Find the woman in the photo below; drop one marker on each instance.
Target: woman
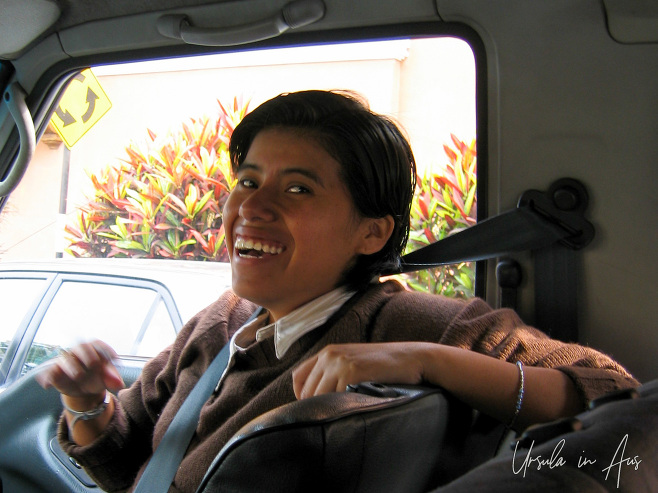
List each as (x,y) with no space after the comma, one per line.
(320,208)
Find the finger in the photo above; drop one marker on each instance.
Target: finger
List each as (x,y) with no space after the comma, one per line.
(52,374)
(70,365)
(112,378)
(72,376)
(327,384)
(94,354)
(323,377)
(105,350)
(313,379)
(44,374)
(300,375)
(88,356)
(98,357)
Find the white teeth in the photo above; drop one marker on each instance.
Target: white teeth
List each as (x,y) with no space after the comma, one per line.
(249,244)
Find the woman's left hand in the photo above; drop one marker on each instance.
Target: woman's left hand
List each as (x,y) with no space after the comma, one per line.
(337,366)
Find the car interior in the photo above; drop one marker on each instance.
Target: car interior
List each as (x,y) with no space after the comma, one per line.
(561,108)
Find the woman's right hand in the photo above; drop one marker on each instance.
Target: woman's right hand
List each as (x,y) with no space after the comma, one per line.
(83,375)
(83,372)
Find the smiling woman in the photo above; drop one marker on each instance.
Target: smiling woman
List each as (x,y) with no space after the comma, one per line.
(301,189)
(498,100)
(322,320)
(294,203)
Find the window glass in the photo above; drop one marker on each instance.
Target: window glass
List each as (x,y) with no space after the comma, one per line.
(156,112)
(158,332)
(16,298)
(134,321)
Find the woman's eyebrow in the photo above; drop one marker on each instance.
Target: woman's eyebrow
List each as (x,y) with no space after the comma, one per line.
(310,174)
(244,166)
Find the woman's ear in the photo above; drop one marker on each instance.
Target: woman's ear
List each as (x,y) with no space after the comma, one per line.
(375,233)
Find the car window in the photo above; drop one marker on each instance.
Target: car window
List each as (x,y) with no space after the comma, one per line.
(17,296)
(146,173)
(133,320)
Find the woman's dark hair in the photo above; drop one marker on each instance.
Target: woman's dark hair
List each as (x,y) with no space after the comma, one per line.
(377,164)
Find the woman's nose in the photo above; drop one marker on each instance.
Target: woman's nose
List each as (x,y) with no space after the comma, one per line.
(259,205)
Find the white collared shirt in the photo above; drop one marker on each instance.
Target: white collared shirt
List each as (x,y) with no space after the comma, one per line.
(287,329)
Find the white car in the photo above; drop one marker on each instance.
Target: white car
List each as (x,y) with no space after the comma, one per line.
(136,306)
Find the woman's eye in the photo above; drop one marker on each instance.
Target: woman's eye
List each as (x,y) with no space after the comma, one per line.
(247,183)
(298,189)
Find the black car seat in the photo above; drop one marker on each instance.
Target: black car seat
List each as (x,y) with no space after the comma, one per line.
(407,439)
(613,447)
(375,438)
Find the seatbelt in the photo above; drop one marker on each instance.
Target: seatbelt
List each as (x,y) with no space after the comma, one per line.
(162,467)
(537,222)
(164,463)
(552,225)
(556,292)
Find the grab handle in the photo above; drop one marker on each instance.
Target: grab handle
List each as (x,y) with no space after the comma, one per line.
(14,98)
(293,15)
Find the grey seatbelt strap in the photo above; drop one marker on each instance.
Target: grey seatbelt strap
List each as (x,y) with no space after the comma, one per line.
(515,231)
(164,463)
(540,220)
(552,225)
(557,270)
(162,467)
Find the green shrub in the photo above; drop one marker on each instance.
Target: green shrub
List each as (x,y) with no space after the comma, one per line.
(165,199)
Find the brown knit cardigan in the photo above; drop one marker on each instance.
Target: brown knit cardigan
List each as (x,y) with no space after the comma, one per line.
(259,381)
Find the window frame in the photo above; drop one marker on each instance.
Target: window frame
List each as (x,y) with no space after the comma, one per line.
(19,331)
(11,368)
(62,72)
(45,93)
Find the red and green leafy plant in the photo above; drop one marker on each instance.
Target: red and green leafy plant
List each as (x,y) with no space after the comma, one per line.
(164,200)
(445,203)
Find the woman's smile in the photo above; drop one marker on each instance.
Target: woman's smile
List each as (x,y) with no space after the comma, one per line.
(292,229)
(255,248)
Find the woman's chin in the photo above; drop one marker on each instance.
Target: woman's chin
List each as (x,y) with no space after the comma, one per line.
(257,291)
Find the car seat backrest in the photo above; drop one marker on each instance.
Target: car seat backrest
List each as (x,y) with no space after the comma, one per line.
(402,439)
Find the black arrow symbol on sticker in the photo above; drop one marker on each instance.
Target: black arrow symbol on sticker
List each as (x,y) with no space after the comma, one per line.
(91,101)
(65,116)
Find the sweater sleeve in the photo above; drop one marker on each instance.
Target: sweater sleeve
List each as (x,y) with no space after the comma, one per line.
(114,458)
(144,411)
(501,334)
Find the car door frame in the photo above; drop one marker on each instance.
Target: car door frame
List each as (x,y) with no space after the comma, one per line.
(11,367)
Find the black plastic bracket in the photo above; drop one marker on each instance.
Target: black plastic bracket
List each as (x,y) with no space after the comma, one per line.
(564,204)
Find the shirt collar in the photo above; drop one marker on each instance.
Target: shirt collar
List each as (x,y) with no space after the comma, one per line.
(287,330)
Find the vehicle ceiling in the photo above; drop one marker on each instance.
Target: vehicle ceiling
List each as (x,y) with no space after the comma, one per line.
(24,21)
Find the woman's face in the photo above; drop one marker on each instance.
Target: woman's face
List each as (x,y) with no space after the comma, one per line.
(291,227)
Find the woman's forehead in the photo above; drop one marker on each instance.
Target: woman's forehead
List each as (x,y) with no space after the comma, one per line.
(287,146)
